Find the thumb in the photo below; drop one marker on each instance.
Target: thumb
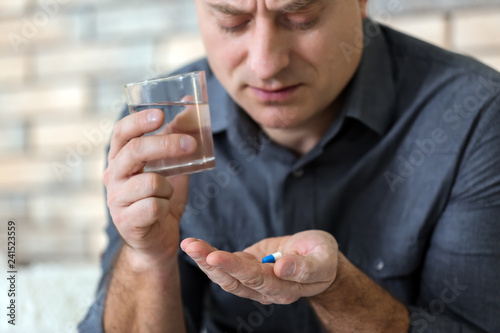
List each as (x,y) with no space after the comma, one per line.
(303,269)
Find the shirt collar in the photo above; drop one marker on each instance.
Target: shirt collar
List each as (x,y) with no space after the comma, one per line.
(371,93)
(369,96)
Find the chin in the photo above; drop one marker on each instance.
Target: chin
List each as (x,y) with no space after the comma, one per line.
(276,118)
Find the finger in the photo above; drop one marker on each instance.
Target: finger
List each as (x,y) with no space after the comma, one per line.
(143,186)
(138,151)
(266,247)
(199,250)
(188,120)
(257,277)
(185,243)
(245,269)
(142,214)
(133,126)
(304,269)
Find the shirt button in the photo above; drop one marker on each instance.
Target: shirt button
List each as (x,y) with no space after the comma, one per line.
(298,173)
(379,264)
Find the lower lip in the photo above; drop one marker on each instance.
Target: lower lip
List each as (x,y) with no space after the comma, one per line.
(275,96)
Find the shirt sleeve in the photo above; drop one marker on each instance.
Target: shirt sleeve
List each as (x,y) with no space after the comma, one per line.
(459,285)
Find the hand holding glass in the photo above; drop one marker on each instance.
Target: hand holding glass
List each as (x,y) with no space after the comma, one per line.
(184,102)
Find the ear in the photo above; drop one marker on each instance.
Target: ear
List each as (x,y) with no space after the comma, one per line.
(363,8)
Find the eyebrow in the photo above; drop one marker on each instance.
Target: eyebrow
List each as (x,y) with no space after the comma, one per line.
(297,5)
(226,9)
(291,7)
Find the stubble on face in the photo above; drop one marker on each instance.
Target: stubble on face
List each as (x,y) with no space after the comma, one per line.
(308,58)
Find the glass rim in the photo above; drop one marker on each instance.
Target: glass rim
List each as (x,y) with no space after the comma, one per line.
(170,77)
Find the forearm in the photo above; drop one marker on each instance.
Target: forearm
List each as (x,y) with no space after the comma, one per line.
(144,299)
(355,303)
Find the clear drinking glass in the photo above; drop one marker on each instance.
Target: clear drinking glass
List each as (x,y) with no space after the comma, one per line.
(184,101)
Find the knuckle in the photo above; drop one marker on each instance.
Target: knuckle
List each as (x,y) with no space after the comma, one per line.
(137,233)
(118,130)
(116,216)
(153,183)
(152,208)
(255,282)
(106,177)
(231,286)
(110,199)
(169,143)
(135,146)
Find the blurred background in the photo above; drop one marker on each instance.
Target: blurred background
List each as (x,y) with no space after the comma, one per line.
(63,64)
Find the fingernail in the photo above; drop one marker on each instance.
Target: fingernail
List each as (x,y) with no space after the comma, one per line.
(288,269)
(153,116)
(187,143)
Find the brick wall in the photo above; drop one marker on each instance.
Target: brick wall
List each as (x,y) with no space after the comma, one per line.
(63,64)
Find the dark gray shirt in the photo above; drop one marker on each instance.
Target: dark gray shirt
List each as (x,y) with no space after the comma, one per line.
(407,179)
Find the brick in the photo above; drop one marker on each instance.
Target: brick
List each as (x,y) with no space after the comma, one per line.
(71,4)
(426,6)
(138,19)
(12,7)
(45,243)
(13,206)
(12,136)
(77,210)
(92,58)
(96,242)
(94,169)
(65,96)
(477,29)
(177,51)
(146,20)
(29,174)
(429,27)
(13,69)
(58,27)
(84,134)
(110,98)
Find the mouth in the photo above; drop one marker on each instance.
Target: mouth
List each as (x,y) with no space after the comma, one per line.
(275,95)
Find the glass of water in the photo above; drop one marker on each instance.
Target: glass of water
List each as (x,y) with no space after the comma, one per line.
(184,102)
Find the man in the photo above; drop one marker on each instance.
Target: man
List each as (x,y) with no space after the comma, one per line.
(373,165)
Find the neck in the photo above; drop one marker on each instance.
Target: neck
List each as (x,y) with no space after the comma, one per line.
(303,138)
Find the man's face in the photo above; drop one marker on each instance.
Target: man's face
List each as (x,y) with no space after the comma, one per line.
(281,60)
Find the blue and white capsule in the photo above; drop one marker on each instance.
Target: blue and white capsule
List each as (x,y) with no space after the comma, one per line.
(272,258)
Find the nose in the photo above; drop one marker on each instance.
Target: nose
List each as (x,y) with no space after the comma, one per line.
(268,52)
